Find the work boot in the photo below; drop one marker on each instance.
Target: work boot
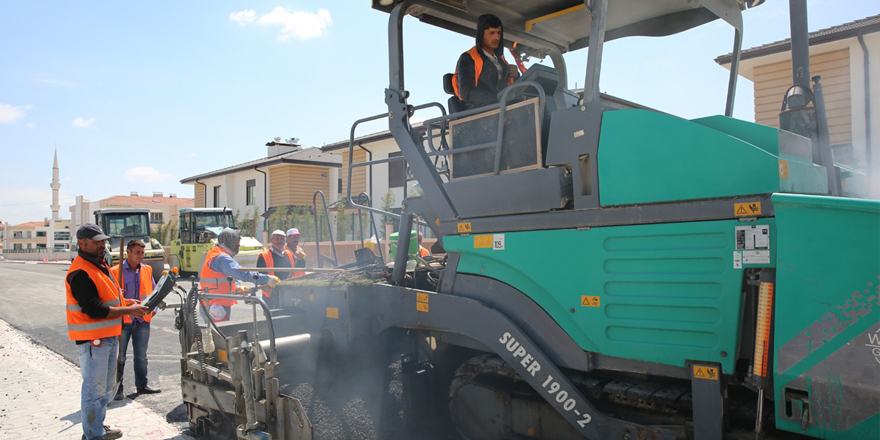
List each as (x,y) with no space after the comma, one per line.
(119,395)
(148,390)
(109,434)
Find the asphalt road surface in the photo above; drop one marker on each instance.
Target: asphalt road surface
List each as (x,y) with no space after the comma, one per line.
(342,403)
(32,300)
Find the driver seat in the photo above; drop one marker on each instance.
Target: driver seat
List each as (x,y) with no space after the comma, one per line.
(454,105)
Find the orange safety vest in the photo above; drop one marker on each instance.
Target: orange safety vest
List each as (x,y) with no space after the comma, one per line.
(81,327)
(146,288)
(423,252)
(270,262)
(478,69)
(215,281)
(299,250)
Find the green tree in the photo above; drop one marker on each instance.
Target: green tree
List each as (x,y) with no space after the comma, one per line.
(388,203)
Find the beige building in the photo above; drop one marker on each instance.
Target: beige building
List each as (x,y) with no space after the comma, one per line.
(288,176)
(847,57)
(45,235)
(163,209)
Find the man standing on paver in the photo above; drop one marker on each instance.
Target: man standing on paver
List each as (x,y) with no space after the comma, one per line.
(293,237)
(137,284)
(95,308)
(275,257)
(220,266)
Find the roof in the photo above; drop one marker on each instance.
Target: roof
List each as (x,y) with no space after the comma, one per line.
(565,24)
(28,225)
(309,156)
(852,29)
(144,200)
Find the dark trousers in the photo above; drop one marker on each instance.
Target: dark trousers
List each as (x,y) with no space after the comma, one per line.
(139,334)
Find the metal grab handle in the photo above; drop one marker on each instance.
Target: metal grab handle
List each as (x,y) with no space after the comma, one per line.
(250,299)
(329,228)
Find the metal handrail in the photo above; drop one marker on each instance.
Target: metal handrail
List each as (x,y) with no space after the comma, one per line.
(443,121)
(372,225)
(250,299)
(317,230)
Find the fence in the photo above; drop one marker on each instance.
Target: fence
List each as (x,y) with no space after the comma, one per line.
(36,255)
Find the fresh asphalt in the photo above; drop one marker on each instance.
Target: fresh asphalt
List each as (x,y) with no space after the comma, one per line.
(32,300)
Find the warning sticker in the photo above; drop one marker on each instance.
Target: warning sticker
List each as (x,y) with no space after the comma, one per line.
(701,372)
(332,313)
(495,242)
(783,169)
(422,307)
(752,237)
(498,242)
(482,241)
(464,227)
(589,301)
(422,297)
(756,257)
(737,259)
(746,209)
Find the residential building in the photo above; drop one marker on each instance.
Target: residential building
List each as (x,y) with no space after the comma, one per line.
(847,57)
(40,235)
(3,236)
(288,175)
(163,209)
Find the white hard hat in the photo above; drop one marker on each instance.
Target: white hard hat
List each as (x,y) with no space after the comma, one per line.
(293,231)
(278,232)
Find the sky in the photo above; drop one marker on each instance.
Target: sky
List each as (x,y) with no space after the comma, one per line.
(136,96)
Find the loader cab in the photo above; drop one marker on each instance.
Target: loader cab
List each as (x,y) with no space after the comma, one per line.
(203,225)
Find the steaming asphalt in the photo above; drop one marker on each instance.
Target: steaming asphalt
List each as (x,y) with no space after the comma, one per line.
(346,401)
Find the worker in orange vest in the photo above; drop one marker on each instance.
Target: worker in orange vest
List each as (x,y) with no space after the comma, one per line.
(482,72)
(138,283)
(219,266)
(423,252)
(293,237)
(95,308)
(275,257)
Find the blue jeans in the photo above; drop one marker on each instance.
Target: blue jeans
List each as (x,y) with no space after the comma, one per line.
(98,367)
(139,334)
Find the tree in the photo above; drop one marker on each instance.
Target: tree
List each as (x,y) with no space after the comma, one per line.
(388,203)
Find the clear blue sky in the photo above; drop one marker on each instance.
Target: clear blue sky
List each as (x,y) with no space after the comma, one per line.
(138,95)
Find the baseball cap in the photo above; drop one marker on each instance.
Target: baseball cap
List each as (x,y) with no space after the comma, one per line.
(92,232)
(293,231)
(278,232)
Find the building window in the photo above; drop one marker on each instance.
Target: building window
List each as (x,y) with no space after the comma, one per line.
(17,234)
(62,236)
(251,191)
(339,184)
(16,246)
(217,196)
(41,233)
(396,171)
(41,246)
(156,218)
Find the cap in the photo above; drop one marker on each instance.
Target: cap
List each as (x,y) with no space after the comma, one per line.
(92,232)
(278,232)
(293,231)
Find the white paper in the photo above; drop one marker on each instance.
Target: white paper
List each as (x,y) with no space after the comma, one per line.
(737,260)
(753,237)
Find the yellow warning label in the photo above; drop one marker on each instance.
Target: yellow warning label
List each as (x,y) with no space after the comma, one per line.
(311,297)
(422,307)
(744,209)
(701,372)
(221,355)
(332,313)
(464,227)
(783,169)
(482,241)
(422,297)
(589,301)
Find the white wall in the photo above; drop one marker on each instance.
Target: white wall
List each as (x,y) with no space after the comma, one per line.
(857,85)
(233,194)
